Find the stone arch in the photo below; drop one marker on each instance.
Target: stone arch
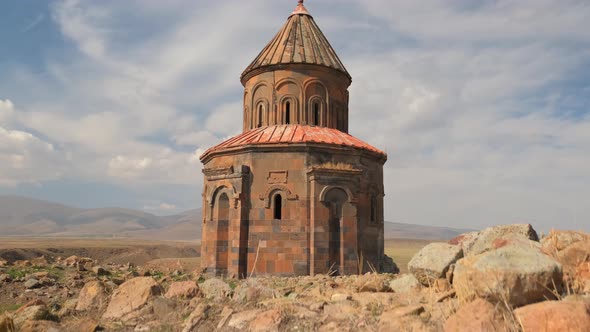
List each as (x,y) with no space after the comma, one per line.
(327,189)
(335,199)
(261,92)
(316,92)
(292,110)
(272,190)
(317,110)
(261,112)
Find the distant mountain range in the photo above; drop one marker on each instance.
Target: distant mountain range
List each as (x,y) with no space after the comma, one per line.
(20,216)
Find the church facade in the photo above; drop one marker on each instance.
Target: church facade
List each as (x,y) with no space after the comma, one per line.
(294,193)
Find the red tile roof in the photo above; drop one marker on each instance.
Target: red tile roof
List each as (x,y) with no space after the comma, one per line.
(292,134)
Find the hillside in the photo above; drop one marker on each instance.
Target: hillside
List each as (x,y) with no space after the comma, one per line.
(20,216)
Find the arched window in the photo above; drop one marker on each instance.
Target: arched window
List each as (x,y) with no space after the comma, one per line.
(278,208)
(316,113)
(260,112)
(288,112)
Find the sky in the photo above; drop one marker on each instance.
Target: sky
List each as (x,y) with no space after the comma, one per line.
(483,106)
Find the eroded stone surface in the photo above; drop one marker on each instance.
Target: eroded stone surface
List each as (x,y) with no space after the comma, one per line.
(433,261)
(515,274)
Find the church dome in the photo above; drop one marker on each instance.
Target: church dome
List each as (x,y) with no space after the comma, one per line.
(300,41)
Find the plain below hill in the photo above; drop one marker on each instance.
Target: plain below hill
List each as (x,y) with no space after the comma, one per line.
(26,217)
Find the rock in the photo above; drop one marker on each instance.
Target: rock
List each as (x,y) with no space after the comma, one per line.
(433,261)
(405,283)
(93,296)
(556,241)
(5,278)
(389,322)
(475,243)
(131,296)
(388,265)
(479,315)
(555,316)
(182,289)
(269,320)
(515,274)
(32,283)
(68,308)
(253,291)
(412,310)
(215,288)
(240,320)
(339,297)
(100,271)
(441,285)
(225,315)
(28,314)
(166,310)
(81,325)
(6,324)
(3,263)
(40,326)
(372,282)
(582,278)
(573,255)
(199,314)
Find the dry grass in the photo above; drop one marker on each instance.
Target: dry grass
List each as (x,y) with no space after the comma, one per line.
(402,251)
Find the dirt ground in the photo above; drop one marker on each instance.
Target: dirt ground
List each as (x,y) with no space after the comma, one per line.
(162,254)
(119,251)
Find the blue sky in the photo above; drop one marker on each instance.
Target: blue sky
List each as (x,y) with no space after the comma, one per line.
(482,106)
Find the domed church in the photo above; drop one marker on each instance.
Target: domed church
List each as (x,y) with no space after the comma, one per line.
(293,194)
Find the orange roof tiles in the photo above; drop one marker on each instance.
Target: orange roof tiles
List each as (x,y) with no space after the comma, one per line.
(292,134)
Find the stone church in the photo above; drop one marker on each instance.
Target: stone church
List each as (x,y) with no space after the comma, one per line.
(294,193)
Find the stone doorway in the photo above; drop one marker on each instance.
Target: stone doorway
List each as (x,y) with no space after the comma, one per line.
(335,199)
(221,258)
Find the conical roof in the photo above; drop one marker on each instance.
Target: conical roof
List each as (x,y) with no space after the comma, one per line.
(300,41)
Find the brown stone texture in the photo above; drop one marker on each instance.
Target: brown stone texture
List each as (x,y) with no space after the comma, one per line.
(555,316)
(294,194)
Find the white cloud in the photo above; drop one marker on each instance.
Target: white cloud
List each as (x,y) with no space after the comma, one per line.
(467,97)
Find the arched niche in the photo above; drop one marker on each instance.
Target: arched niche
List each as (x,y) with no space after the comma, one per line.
(316,99)
(261,95)
(288,110)
(288,91)
(260,113)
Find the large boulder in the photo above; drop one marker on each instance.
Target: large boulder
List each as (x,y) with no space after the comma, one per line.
(182,289)
(433,261)
(479,315)
(93,296)
(131,296)
(556,240)
(572,251)
(475,243)
(515,274)
(555,316)
(29,313)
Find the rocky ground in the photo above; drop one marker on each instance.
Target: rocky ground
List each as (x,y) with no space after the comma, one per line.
(499,279)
